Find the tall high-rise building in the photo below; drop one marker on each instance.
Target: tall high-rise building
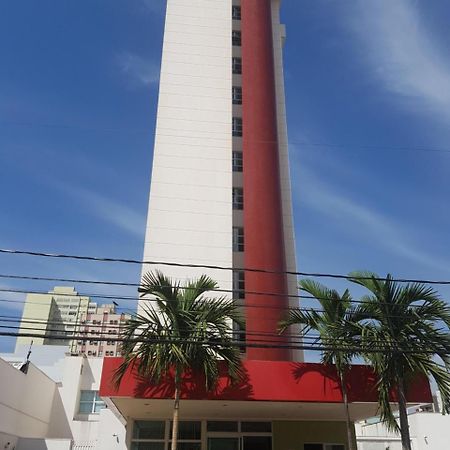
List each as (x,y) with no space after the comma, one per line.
(220,190)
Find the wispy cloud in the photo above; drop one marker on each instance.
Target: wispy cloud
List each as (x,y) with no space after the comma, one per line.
(154,6)
(139,71)
(108,210)
(403,54)
(363,221)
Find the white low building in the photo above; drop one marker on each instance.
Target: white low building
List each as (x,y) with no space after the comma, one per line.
(429,430)
(52,403)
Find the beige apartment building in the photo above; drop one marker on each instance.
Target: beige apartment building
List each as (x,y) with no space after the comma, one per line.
(63,312)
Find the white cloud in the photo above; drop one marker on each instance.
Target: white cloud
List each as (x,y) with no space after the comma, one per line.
(359,219)
(154,6)
(108,210)
(140,71)
(403,54)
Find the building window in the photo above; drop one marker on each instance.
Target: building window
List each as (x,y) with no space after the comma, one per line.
(237,126)
(237,95)
(239,335)
(236,64)
(238,284)
(238,198)
(237,161)
(236,38)
(90,403)
(236,12)
(155,435)
(238,239)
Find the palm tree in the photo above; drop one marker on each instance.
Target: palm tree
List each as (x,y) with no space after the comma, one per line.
(184,331)
(409,324)
(335,333)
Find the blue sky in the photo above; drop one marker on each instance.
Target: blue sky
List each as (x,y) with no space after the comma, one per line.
(368,99)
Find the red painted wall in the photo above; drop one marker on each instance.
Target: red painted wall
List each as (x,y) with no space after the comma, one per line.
(265,380)
(263,220)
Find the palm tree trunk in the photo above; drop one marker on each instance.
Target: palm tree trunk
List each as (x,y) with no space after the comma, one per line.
(176,410)
(347,413)
(404,425)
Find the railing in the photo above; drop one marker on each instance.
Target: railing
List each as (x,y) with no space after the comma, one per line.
(84,445)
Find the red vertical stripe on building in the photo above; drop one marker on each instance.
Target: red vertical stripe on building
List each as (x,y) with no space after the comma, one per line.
(263,220)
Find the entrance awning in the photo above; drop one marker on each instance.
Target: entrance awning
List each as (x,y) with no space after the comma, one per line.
(270,390)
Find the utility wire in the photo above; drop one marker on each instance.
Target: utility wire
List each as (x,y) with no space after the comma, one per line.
(214,267)
(158,340)
(147,130)
(150,300)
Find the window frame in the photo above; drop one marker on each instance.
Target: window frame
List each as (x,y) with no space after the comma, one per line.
(95,401)
(237,126)
(236,95)
(237,198)
(238,287)
(236,12)
(236,38)
(238,239)
(237,161)
(236,65)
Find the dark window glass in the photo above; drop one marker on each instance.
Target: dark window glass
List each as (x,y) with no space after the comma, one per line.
(239,335)
(188,445)
(256,427)
(238,198)
(238,239)
(236,38)
(237,162)
(237,95)
(313,447)
(147,446)
(148,429)
(236,12)
(236,64)
(221,425)
(257,443)
(237,126)
(188,430)
(239,286)
(334,447)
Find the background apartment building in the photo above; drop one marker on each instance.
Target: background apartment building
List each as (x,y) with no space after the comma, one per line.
(64,312)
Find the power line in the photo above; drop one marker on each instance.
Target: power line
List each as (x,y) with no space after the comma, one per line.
(232,343)
(146,300)
(215,267)
(149,129)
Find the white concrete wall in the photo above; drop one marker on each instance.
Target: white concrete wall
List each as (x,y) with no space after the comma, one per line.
(25,401)
(8,441)
(429,431)
(190,208)
(288,223)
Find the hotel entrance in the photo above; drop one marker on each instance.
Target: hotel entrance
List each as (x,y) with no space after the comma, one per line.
(227,435)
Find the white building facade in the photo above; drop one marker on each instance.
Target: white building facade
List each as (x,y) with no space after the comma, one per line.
(54,404)
(220,187)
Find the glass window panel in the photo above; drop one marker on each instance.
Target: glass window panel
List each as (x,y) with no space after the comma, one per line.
(85,408)
(188,446)
(313,447)
(256,427)
(223,443)
(147,446)
(87,396)
(188,430)
(257,443)
(236,12)
(148,429)
(98,406)
(220,425)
